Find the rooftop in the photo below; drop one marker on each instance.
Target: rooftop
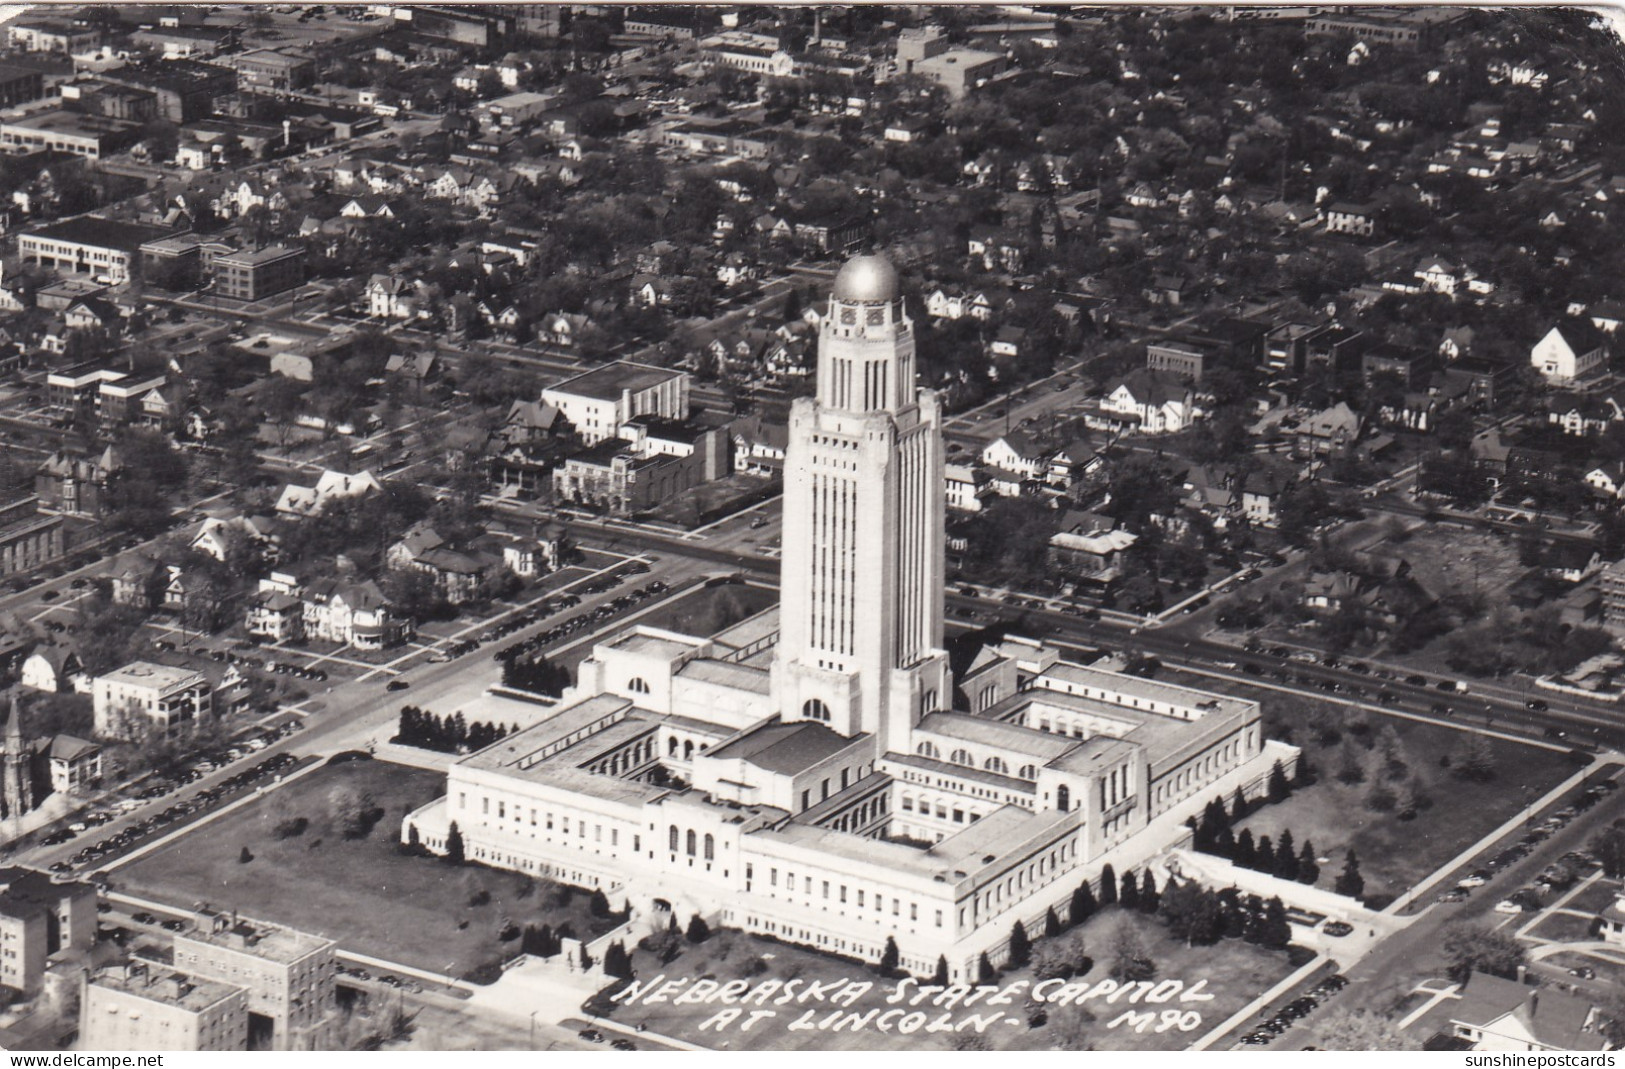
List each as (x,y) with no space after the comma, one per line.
(147,674)
(168,988)
(607,383)
(284,945)
(101,233)
(786,747)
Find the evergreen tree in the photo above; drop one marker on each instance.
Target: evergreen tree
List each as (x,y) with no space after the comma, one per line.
(1246,854)
(586,958)
(454,845)
(1129,896)
(598,905)
(1052,923)
(1349,881)
(1277,931)
(617,962)
(940,977)
(1286,856)
(698,930)
(984,970)
(245,857)
(1149,898)
(1308,868)
(1233,919)
(1108,887)
(1225,844)
(1083,903)
(1238,807)
(1264,860)
(1278,786)
(889,957)
(1021,947)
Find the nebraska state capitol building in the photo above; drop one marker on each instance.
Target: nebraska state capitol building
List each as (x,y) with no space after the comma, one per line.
(816,773)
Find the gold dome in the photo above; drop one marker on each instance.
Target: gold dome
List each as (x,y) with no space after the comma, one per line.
(867,279)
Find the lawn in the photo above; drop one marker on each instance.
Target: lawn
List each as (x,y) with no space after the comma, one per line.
(1596,898)
(709,609)
(1563,928)
(362,892)
(1394,854)
(1235,973)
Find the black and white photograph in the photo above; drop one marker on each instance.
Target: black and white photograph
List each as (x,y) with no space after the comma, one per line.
(819,528)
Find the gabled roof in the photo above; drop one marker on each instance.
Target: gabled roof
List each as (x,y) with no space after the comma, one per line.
(1555,1019)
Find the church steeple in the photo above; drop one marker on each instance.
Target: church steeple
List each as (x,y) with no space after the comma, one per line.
(18,776)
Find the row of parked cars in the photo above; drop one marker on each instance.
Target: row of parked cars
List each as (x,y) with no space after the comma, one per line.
(124,839)
(585,620)
(1267,1030)
(1556,876)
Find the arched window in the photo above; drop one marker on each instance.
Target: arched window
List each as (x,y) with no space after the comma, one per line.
(927,749)
(963,757)
(814,709)
(1063,798)
(673,845)
(710,847)
(996,764)
(671,746)
(1028,772)
(688,749)
(691,842)
(637,685)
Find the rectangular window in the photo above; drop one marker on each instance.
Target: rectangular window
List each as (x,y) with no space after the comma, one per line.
(843,894)
(913,911)
(860,898)
(843,779)
(908,804)
(773,877)
(826,888)
(485,807)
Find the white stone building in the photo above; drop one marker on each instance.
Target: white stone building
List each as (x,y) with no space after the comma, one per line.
(815,773)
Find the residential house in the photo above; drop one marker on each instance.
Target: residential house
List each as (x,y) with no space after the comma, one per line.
(1607,479)
(1262,491)
(75,764)
(1583,415)
(966,487)
(1489,1013)
(389,297)
(1570,561)
(1091,550)
(1145,402)
(759,446)
(333,485)
(139,581)
(1329,432)
(55,670)
(1360,220)
(352,614)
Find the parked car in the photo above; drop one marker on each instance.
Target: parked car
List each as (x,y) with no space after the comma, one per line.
(398,684)
(1506,905)
(1337,929)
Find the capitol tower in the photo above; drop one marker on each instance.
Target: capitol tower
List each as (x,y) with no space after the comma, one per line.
(860,645)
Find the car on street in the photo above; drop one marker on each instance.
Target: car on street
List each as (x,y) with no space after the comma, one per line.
(591,1035)
(1537,705)
(398,684)
(143,917)
(1506,905)
(1475,880)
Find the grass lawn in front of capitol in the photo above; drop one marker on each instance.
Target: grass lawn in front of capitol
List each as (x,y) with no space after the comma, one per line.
(1235,973)
(363,892)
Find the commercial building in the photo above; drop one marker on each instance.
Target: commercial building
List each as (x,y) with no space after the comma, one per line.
(1179,358)
(267,70)
(72,132)
(143,697)
(53,35)
(817,774)
(926,52)
(288,976)
(29,539)
(598,402)
(19,85)
(89,245)
(254,274)
(145,1006)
